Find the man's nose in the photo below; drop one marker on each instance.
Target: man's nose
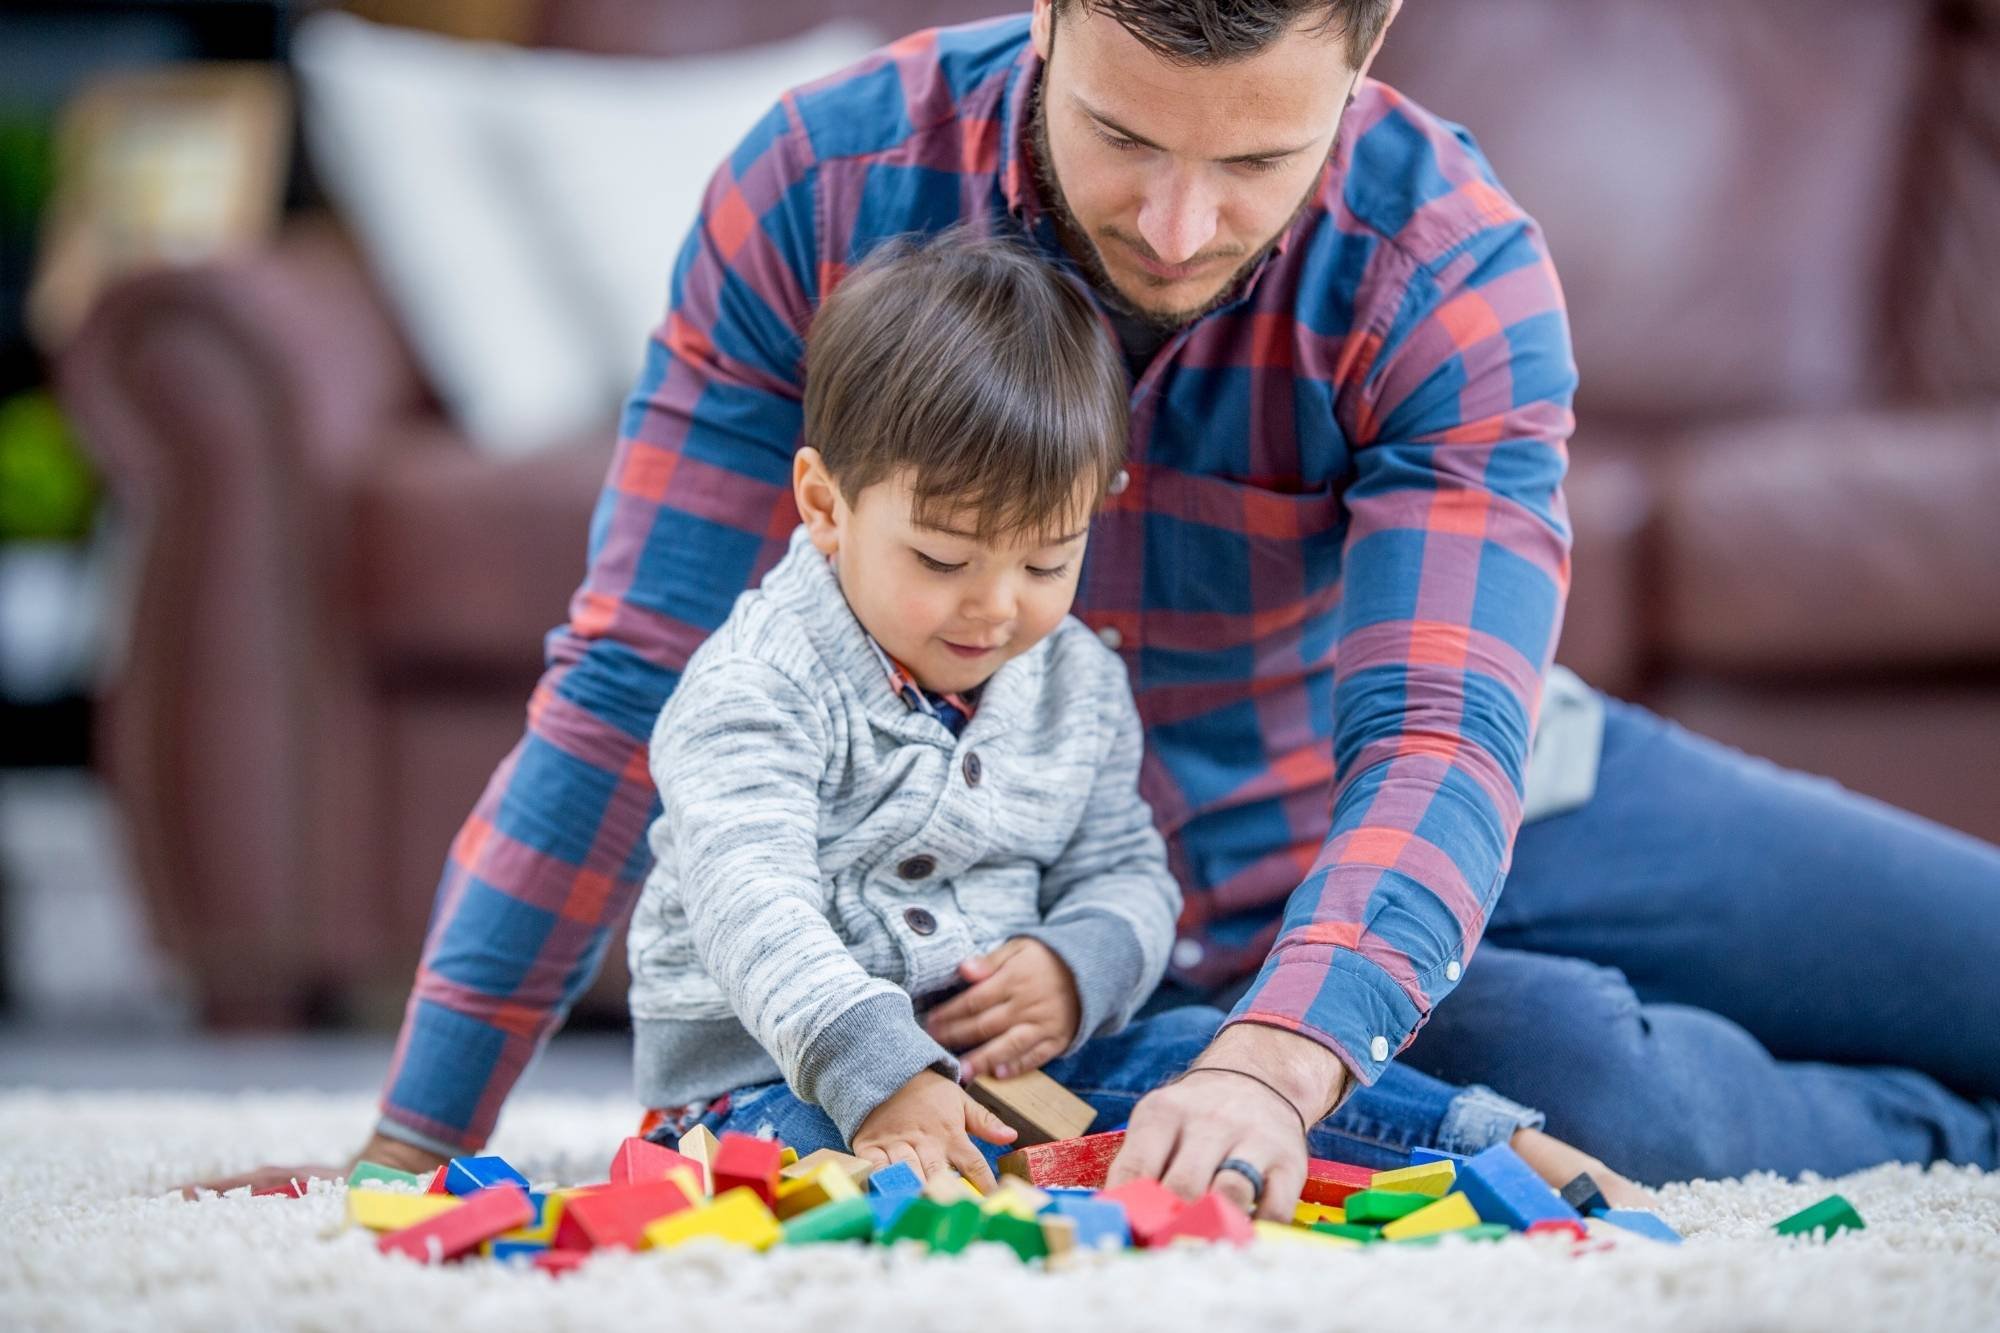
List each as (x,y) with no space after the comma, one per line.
(1178,216)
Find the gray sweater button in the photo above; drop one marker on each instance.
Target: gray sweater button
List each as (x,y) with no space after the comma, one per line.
(920,921)
(917,867)
(972,768)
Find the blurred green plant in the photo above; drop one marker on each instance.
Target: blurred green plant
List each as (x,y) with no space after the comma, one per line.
(47,488)
(27,167)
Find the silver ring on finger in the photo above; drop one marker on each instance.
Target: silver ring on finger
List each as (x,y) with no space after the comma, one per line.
(1249,1173)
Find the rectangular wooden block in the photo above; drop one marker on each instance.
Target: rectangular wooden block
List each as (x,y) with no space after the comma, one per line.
(1432,1178)
(1100,1223)
(829,1184)
(1150,1208)
(1454,1212)
(1040,1109)
(737,1217)
(858,1169)
(1281,1233)
(849,1219)
(463,1175)
(1078,1163)
(1828,1217)
(640,1160)
(898,1180)
(1379,1206)
(375,1173)
(617,1217)
(746,1162)
(1643,1223)
(479,1216)
(1330,1182)
(1211,1218)
(1506,1189)
(385,1210)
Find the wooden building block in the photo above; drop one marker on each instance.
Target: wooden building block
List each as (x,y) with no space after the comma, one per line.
(541,1229)
(1282,1233)
(437,1181)
(1583,1195)
(1419,1156)
(846,1219)
(1150,1208)
(558,1262)
(1559,1226)
(464,1175)
(638,1161)
(1505,1189)
(1305,1214)
(1058,1239)
(385,1210)
(1022,1235)
(374,1173)
(958,1225)
(898,1180)
(1374,1207)
(1101,1224)
(291,1189)
(1454,1212)
(1212,1219)
(1353,1231)
(858,1169)
(1012,1194)
(617,1217)
(1330,1182)
(700,1144)
(787,1156)
(949,1189)
(455,1231)
(1641,1222)
(1040,1109)
(737,1217)
(1432,1178)
(1080,1163)
(1829,1217)
(744,1162)
(829,1184)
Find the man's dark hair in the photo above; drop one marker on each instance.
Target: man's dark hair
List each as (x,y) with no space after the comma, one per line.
(1210,32)
(975,365)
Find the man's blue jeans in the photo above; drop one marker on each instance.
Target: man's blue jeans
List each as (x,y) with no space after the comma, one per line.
(1720,966)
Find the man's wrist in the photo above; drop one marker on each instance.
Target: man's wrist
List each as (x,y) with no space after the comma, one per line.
(1312,1076)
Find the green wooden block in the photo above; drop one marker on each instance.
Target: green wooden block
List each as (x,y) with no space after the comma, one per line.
(843,1219)
(1376,1206)
(1351,1231)
(1483,1232)
(1829,1217)
(1022,1235)
(364,1172)
(957,1228)
(918,1221)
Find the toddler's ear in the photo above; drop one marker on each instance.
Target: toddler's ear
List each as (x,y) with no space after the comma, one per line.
(817,498)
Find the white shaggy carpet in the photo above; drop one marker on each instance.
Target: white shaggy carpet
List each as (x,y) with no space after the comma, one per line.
(90,1239)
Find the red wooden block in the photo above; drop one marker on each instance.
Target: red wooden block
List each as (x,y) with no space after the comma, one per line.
(1210,1218)
(1558,1226)
(1330,1183)
(558,1262)
(483,1215)
(437,1180)
(742,1159)
(1067,1163)
(291,1189)
(617,1215)
(1150,1208)
(639,1161)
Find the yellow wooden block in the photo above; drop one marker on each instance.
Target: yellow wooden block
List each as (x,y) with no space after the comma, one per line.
(1308,1213)
(950,1189)
(1432,1178)
(787,1155)
(379,1210)
(829,1184)
(700,1143)
(737,1216)
(858,1169)
(544,1231)
(1015,1196)
(1283,1233)
(1451,1213)
(690,1182)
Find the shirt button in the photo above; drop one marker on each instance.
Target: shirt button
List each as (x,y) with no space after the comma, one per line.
(1378,1049)
(972,768)
(1187,953)
(1120,482)
(917,867)
(920,921)
(1111,638)
(1451,970)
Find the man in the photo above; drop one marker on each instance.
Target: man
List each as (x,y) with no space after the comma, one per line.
(1336,574)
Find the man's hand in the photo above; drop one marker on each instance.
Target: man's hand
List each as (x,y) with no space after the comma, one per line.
(379,1149)
(1181,1133)
(1020,1011)
(928,1122)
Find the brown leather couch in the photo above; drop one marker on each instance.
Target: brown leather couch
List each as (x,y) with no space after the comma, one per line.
(1779,229)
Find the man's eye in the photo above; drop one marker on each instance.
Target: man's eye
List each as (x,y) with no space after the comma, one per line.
(1259,165)
(1119,141)
(939,566)
(1055,573)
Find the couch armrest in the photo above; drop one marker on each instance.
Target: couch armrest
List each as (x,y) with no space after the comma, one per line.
(231,407)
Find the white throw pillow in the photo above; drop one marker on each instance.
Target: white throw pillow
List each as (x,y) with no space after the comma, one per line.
(524,208)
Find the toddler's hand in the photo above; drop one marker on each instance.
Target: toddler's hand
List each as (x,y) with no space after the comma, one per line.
(928,1122)
(1020,1012)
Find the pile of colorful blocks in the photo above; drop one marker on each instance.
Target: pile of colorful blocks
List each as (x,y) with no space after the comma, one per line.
(1050,1204)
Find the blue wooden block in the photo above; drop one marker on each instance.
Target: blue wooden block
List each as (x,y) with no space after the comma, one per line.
(1502,1188)
(1100,1223)
(477,1173)
(897,1180)
(889,1207)
(504,1250)
(1418,1156)
(1649,1225)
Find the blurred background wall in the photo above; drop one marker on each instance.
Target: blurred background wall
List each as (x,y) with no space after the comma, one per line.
(315,323)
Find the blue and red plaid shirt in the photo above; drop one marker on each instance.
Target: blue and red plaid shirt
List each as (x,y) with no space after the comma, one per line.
(1336,575)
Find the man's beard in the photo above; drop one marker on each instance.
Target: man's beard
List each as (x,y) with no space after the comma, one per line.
(1084,250)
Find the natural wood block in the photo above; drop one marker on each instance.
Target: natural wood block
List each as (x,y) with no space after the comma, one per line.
(1037,1107)
(1067,1163)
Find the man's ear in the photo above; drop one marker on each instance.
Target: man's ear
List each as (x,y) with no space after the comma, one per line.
(1042,29)
(1395,8)
(818,499)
